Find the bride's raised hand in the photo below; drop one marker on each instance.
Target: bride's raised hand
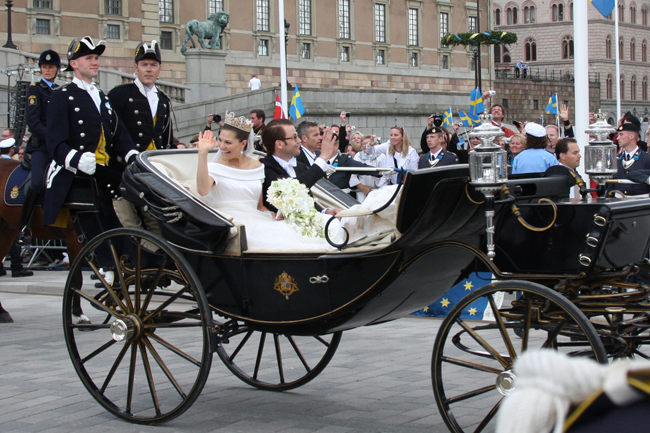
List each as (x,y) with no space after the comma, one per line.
(207,142)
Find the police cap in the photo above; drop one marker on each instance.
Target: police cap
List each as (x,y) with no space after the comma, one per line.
(49,57)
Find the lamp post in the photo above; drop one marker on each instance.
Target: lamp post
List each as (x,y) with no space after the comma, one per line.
(10,43)
(286,48)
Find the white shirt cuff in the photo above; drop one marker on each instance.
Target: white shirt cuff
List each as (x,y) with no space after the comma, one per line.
(128,155)
(321,163)
(68,158)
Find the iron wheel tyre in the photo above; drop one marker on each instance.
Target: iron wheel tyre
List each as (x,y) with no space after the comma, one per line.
(159,368)
(272,361)
(471,358)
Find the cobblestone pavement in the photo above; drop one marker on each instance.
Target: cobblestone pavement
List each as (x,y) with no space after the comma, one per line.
(378,381)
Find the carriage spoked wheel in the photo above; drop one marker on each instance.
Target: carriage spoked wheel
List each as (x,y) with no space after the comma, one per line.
(148,362)
(272,361)
(474,352)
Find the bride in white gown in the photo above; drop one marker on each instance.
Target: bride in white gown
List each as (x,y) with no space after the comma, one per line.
(232,184)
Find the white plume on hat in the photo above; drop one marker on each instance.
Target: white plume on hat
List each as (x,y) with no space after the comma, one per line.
(7,142)
(535,129)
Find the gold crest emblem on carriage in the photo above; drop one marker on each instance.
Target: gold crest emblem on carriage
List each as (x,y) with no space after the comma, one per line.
(286,285)
(14,193)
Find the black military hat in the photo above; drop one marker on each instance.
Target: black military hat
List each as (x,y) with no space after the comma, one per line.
(145,51)
(629,127)
(80,47)
(49,57)
(632,119)
(434,130)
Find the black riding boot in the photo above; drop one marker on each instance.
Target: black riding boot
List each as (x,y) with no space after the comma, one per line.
(26,216)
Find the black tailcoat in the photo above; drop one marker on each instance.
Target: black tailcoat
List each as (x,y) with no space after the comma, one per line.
(132,108)
(274,171)
(74,123)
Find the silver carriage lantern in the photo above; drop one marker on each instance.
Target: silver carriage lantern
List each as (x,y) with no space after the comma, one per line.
(488,163)
(488,170)
(600,154)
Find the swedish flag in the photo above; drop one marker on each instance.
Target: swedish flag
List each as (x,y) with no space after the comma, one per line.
(551,108)
(296,110)
(465,119)
(476,103)
(448,119)
(605,7)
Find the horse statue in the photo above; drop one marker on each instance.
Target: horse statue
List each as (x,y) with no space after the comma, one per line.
(10,227)
(210,29)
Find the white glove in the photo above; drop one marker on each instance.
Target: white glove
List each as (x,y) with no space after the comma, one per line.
(87,163)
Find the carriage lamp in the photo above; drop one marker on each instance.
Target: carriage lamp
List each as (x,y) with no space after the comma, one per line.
(600,154)
(488,170)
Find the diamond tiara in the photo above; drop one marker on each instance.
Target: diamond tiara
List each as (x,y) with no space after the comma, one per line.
(240,122)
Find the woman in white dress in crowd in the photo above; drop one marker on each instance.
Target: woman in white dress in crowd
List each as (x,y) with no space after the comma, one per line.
(399,151)
(367,183)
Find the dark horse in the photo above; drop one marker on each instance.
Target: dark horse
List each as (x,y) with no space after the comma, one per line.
(10,227)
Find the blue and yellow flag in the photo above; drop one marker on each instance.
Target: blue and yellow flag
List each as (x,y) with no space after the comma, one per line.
(605,7)
(448,119)
(551,108)
(296,110)
(465,119)
(476,103)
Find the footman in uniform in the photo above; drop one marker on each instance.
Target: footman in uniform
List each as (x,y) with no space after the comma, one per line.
(39,95)
(437,156)
(83,136)
(631,158)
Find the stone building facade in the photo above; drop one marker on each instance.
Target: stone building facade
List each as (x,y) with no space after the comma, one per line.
(368,44)
(545,40)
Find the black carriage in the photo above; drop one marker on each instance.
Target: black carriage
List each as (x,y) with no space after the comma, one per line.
(275,318)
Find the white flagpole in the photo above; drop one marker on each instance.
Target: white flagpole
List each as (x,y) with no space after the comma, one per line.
(581,74)
(618,65)
(283,57)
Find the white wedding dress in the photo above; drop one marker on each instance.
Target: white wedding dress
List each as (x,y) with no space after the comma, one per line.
(237,192)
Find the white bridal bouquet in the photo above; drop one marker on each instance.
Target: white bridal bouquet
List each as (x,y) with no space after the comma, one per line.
(294,202)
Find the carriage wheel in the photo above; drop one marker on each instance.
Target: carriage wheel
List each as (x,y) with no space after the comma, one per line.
(272,361)
(150,360)
(472,358)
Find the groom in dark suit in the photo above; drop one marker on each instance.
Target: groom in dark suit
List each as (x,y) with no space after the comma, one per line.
(282,146)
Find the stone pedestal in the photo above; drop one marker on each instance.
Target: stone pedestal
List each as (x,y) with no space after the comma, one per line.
(205,72)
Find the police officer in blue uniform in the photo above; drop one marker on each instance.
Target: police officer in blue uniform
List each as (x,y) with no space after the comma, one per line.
(630,159)
(84,136)
(38,100)
(437,156)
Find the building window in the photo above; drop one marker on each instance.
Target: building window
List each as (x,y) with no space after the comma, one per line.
(345,54)
(471,24)
(644,15)
(112,31)
(263,23)
(633,49)
(444,62)
(444,24)
(497,17)
(304,17)
(535,104)
(505,103)
(497,53)
(166,40)
(414,27)
(42,27)
(113,7)
(620,47)
(622,87)
(621,12)
(529,14)
(633,14)
(567,47)
(608,47)
(531,50)
(43,4)
(166,11)
(414,60)
(305,53)
(472,64)
(215,6)
(512,15)
(644,51)
(554,13)
(644,89)
(609,86)
(380,22)
(344,20)
(381,57)
(263,47)
(633,89)
(571,11)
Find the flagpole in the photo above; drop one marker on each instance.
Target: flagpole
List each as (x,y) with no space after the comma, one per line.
(618,65)
(283,56)
(581,75)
